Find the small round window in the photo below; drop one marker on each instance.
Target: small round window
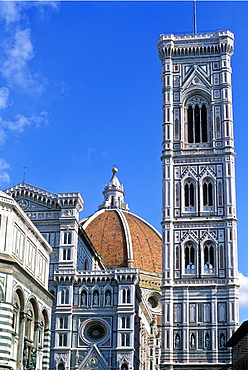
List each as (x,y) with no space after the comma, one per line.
(153,302)
(94,331)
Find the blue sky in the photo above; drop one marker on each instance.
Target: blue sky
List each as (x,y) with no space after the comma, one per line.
(80,91)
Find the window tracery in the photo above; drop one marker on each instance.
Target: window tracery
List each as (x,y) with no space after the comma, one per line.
(197,128)
(189,254)
(209,258)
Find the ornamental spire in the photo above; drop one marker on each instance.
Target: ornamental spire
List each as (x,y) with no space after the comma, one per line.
(114,194)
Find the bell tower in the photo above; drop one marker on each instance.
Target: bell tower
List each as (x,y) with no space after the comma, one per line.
(200,275)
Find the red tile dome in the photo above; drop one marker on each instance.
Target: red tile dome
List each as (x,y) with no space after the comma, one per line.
(124,240)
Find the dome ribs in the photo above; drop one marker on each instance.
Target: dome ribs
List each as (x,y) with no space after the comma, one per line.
(147,245)
(118,235)
(107,235)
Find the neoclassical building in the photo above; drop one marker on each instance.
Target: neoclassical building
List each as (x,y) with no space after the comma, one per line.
(25,303)
(105,277)
(200,276)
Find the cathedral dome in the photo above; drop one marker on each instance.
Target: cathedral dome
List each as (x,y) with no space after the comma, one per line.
(119,236)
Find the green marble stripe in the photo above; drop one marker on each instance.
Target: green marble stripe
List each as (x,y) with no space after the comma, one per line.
(4,337)
(3,330)
(6,309)
(4,345)
(6,316)
(4,358)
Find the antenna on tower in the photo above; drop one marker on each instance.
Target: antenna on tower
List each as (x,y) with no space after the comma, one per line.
(24,173)
(195,31)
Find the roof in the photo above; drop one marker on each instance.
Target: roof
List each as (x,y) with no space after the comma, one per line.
(238,334)
(124,240)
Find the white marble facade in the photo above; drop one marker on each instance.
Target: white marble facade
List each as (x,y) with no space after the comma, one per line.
(102,318)
(200,276)
(25,303)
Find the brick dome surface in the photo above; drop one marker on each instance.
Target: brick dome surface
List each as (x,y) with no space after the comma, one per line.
(124,240)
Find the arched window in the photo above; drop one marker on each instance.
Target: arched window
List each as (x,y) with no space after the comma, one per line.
(208,258)
(124,296)
(30,321)
(124,367)
(128,296)
(197,129)
(125,322)
(61,366)
(65,296)
(189,254)
(66,254)
(189,194)
(207,193)
(86,264)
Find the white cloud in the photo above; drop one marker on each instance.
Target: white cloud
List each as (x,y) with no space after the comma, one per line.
(14,68)
(3,164)
(3,135)
(89,153)
(21,122)
(4,176)
(243,291)
(4,97)
(10,11)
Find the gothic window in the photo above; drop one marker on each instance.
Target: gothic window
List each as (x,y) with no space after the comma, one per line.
(63,322)
(30,322)
(178,313)
(124,367)
(207,317)
(61,366)
(207,192)
(189,254)
(222,312)
(63,340)
(197,129)
(125,322)
(83,298)
(86,264)
(189,195)
(208,258)
(126,296)
(125,340)
(67,237)
(66,254)
(65,296)
(192,313)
